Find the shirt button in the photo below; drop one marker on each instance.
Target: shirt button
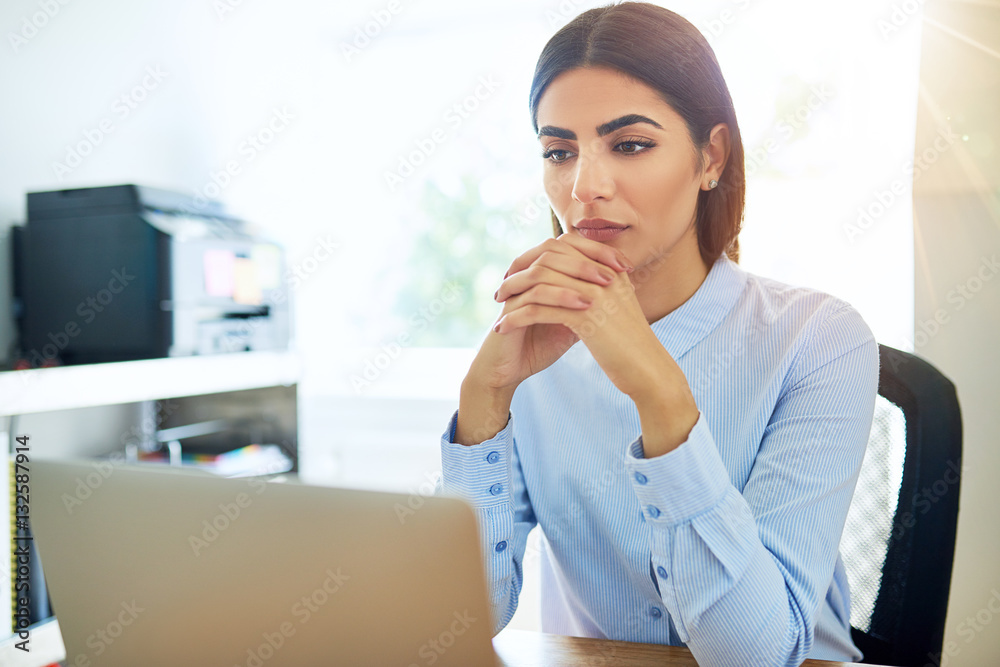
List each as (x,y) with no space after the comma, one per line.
(492,457)
(496,489)
(662,572)
(653,511)
(501,546)
(639,477)
(655,612)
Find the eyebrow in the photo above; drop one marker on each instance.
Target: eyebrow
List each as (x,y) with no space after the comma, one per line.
(602,130)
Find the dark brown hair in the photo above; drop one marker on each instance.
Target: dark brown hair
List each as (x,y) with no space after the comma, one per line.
(666,52)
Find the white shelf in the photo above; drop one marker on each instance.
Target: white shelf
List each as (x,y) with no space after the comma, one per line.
(90,385)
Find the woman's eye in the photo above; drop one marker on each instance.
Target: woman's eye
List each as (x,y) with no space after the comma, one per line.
(556,155)
(634,147)
(627,147)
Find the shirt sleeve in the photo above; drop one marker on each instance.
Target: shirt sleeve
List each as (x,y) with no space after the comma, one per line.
(488,476)
(743,574)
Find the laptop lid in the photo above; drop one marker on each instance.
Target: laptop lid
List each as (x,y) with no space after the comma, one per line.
(157,567)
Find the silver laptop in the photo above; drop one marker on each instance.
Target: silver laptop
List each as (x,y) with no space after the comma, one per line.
(159,567)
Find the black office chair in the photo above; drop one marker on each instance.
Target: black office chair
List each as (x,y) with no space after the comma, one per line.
(899,540)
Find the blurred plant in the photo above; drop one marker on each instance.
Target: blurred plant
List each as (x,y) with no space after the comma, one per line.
(470,243)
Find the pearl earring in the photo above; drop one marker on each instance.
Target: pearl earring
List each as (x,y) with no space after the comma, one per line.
(712,183)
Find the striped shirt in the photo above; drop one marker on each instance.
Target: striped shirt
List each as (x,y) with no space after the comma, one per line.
(727,544)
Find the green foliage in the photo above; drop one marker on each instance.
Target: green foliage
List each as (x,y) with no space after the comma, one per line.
(471,244)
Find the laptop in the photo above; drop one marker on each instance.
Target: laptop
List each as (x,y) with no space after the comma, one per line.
(167,567)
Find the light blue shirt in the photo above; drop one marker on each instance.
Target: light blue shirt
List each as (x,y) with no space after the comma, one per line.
(727,544)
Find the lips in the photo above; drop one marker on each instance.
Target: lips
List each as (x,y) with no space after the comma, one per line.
(598,223)
(599,229)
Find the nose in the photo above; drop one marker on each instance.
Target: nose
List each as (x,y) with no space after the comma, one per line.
(593,177)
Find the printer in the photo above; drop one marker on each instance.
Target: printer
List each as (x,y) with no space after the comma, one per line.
(128,272)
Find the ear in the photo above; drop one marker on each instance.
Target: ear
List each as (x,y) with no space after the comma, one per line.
(715,155)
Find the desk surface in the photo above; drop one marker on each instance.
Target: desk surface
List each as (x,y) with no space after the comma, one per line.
(521,648)
(516,648)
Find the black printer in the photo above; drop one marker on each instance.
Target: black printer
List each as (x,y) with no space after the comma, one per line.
(128,272)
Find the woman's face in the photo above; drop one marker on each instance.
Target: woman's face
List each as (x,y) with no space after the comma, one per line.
(617,154)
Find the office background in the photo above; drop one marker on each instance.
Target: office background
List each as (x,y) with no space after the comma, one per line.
(387,146)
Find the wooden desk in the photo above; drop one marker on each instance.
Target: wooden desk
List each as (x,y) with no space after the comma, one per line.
(516,648)
(521,648)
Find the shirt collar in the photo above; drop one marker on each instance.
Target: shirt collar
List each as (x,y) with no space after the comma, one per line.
(694,319)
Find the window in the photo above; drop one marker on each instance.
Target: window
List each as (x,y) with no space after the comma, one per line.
(827,117)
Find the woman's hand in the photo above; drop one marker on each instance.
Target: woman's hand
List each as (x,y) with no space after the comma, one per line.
(561,297)
(555,274)
(558,274)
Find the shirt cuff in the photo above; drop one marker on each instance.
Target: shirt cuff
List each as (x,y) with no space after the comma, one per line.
(681,484)
(481,473)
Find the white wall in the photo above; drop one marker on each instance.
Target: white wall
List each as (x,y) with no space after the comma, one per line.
(957,307)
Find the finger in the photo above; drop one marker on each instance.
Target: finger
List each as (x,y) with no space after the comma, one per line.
(598,251)
(592,249)
(550,295)
(530,314)
(555,269)
(526,259)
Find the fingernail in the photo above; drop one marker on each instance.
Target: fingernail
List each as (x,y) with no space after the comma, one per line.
(626,266)
(496,327)
(584,301)
(496,294)
(607,277)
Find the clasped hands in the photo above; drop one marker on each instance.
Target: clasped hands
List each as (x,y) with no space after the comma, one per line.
(569,289)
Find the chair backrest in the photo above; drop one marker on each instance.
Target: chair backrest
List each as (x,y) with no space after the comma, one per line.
(899,539)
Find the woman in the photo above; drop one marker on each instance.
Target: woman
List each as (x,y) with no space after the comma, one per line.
(687,435)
